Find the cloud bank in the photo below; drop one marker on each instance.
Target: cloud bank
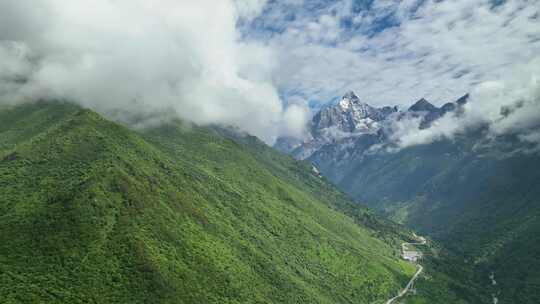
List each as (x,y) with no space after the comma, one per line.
(396,52)
(259,64)
(184,58)
(506,107)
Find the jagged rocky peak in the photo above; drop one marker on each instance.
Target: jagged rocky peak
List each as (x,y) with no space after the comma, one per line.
(452,106)
(349,100)
(448,107)
(463,99)
(354,123)
(349,115)
(351,96)
(422,105)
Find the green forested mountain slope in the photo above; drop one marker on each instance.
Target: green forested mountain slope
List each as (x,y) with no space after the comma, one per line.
(92,212)
(483,202)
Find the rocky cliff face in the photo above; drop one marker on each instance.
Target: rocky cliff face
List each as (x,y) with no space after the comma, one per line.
(352,127)
(429,113)
(349,116)
(474,193)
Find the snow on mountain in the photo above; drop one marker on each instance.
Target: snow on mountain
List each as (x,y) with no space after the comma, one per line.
(349,115)
(351,126)
(349,118)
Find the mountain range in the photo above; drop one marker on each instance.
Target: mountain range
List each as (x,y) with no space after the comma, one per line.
(96,211)
(92,211)
(473,193)
(353,126)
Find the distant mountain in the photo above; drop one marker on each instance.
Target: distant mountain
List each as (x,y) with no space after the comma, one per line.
(476,198)
(430,113)
(473,193)
(423,105)
(349,116)
(352,126)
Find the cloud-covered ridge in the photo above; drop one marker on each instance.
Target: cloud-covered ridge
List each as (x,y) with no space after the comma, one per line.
(505,107)
(184,58)
(259,64)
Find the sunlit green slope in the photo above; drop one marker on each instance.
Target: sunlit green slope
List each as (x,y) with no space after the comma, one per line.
(479,199)
(92,212)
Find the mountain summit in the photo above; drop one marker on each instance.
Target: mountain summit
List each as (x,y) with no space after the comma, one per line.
(349,115)
(443,189)
(351,96)
(423,105)
(351,122)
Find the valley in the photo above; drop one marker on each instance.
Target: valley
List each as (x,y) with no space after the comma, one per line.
(270,152)
(475,195)
(92,211)
(413,256)
(118,203)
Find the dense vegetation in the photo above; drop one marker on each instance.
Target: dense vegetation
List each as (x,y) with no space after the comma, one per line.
(479,198)
(446,279)
(92,212)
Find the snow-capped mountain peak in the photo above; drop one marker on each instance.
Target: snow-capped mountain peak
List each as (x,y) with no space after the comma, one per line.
(351,96)
(349,101)
(422,105)
(349,115)
(353,126)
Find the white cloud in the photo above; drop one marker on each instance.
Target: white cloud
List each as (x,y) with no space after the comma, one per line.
(509,106)
(397,52)
(249,9)
(189,58)
(183,57)
(438,50)
(296,119)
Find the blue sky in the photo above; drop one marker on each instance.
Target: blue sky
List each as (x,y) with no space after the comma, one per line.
(265,65)
(393,52)
(277,16)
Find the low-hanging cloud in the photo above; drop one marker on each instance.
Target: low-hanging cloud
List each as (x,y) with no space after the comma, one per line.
(209,61)
(136,57)
(506,107)
(396,52)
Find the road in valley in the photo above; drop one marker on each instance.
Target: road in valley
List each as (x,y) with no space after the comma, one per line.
(404,291)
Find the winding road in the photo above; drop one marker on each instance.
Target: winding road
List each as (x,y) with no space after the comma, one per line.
(404,291)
